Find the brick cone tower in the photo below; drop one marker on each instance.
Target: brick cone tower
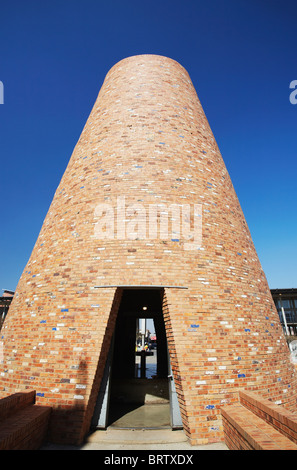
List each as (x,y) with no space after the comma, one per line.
(146,152)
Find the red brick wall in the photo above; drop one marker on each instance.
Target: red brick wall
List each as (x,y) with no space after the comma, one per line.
(281,419)
(251,424)
(13,403)
(148,141)
(23,425)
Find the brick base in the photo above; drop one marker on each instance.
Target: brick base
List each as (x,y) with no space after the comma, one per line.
(23,425)
(258,424)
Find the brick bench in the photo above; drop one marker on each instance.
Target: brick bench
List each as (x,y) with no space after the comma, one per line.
(23,425)
(257,424)
(279,417)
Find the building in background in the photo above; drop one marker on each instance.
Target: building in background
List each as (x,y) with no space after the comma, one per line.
(5,301)
(286,303)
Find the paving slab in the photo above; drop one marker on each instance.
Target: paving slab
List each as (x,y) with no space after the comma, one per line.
(123,439)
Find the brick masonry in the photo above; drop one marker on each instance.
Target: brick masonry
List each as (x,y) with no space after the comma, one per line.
(146,141)
(23,425)
(254,423)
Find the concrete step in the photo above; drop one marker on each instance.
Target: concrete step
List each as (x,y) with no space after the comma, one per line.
(148,440)
(139,437)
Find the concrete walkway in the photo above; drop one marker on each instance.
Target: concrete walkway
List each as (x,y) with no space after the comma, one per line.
(124,439)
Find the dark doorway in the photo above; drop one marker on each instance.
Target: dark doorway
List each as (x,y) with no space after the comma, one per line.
(139,392)
(138,389)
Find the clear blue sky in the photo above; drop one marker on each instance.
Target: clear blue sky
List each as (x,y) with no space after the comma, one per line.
(241,56)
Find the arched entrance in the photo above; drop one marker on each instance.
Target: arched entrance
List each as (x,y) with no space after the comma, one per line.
(137,390)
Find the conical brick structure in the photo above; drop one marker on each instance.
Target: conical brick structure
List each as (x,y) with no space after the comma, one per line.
(146,151)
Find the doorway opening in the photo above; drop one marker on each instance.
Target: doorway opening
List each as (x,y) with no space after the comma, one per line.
(137,390)
(139,395)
